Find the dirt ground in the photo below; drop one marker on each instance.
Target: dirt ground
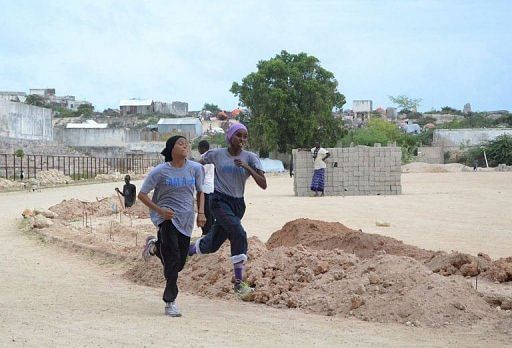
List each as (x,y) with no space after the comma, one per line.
(54,297)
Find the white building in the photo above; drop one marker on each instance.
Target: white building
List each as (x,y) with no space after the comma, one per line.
(362,109)
(189,127)
(136,106)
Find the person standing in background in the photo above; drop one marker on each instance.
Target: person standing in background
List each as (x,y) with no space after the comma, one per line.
(208,187)
(318,181)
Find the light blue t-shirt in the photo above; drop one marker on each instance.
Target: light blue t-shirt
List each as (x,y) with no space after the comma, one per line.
(174,189)
(229,178)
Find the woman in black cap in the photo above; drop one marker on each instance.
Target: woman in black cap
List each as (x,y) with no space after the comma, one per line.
(172,211)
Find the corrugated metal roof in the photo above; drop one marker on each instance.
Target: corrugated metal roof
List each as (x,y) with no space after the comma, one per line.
(181,120)
(135,102)
(87,124)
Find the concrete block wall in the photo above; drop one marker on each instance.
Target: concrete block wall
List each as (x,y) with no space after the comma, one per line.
(352,171)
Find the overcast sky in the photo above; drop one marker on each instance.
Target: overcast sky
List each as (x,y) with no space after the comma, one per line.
(445,52)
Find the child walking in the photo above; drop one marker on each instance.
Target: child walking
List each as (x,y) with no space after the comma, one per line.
(172,211)
(233,166)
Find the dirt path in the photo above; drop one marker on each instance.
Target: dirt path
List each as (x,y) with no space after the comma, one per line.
(50,297)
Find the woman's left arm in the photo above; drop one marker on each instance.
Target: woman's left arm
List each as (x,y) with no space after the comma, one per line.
(201,218)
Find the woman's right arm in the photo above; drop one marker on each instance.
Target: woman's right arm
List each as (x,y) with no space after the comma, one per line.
(167,214)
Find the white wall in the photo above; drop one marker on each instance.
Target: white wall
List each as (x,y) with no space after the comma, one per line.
(23,121)
(454,138)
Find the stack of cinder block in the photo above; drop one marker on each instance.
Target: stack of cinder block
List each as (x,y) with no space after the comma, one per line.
(352,171)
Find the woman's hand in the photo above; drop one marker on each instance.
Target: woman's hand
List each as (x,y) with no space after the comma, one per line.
(201,219)
(165,213)
(240,163)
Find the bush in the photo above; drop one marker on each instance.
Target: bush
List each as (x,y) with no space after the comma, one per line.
(215,140)
(446,156)
(19,153)
(499,150)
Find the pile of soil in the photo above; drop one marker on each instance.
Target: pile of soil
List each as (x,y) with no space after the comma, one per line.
(107,237)
(9,184)
(385,288)
(323,235)
(138,210)
(315,266)
(420,167)
(52,177)
(74,208)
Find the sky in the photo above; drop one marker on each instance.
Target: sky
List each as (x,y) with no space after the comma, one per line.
(447,53)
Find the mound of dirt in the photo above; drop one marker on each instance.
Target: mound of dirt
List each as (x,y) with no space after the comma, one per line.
(501,270)
(53,176)
(386,288)
(420,167)
(138,210)
(74,208)
(323,235)
(9,184)
(458,263)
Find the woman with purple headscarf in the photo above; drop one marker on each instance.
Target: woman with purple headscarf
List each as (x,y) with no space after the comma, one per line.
(233,166)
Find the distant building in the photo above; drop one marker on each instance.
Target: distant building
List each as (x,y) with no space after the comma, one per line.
(162,108)
(189,127)
(391,113)
(43,92)
(13,96)
(411,128)
(136,106)
(179,108)
(362,109)
(147,106)
(66,101)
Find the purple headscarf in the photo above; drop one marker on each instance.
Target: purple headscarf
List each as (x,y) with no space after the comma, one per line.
(232,131)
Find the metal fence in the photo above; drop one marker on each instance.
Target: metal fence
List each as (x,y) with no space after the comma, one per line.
(77,167)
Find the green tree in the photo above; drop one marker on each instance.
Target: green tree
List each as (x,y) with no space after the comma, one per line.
(36,100)
(211,107)
(406,103)
(499,150)
(377,131)
(85,110)
(19,153)
(291,99)
(450,110)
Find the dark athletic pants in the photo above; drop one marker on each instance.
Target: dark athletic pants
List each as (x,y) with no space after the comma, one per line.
(208,213)
(228,212)
(172,250)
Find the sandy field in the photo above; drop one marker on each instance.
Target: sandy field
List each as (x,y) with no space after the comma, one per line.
(52,296)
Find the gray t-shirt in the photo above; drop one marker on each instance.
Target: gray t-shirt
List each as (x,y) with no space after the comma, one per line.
(229,178)
(174,189)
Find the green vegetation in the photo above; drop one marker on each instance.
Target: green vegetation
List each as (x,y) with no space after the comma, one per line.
(291,98)
(216,140)
(211,107)
(85,110)
(383,132)
(406,103)
(19,153)
(36,100)
(498,151)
